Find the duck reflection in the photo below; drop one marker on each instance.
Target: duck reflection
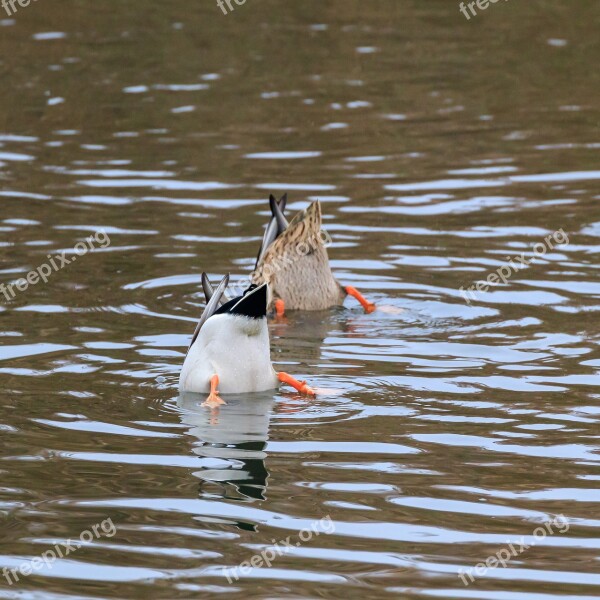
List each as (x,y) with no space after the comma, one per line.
(231,441)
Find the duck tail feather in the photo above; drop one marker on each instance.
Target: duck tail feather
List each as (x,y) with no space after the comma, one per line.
(212,305)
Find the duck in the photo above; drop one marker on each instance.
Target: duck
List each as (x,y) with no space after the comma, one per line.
(230,351)
(293,260)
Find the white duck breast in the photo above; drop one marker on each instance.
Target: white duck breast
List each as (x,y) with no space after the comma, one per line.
(237,349)
(232,343)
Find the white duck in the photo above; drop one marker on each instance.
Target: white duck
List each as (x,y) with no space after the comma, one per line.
(230,347)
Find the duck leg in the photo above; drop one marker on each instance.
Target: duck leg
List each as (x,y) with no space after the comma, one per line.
(213,399)
(352,291)
(300,386)
(279,307)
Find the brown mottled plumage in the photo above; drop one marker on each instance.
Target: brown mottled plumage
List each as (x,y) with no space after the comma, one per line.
(296,265)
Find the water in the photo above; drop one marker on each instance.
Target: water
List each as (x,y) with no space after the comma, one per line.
(439,147)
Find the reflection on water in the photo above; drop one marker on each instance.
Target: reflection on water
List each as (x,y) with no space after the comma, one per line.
(438,148)
(231,441)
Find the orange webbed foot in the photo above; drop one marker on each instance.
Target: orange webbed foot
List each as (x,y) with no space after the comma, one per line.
(368,306)
(300,386)
(279,308)
(214,399)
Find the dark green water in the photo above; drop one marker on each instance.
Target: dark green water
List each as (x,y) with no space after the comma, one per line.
(439,147)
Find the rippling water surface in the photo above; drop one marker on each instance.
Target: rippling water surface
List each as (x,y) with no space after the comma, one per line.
(439,147)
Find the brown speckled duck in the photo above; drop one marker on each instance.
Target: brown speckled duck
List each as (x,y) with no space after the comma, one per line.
(293,260)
